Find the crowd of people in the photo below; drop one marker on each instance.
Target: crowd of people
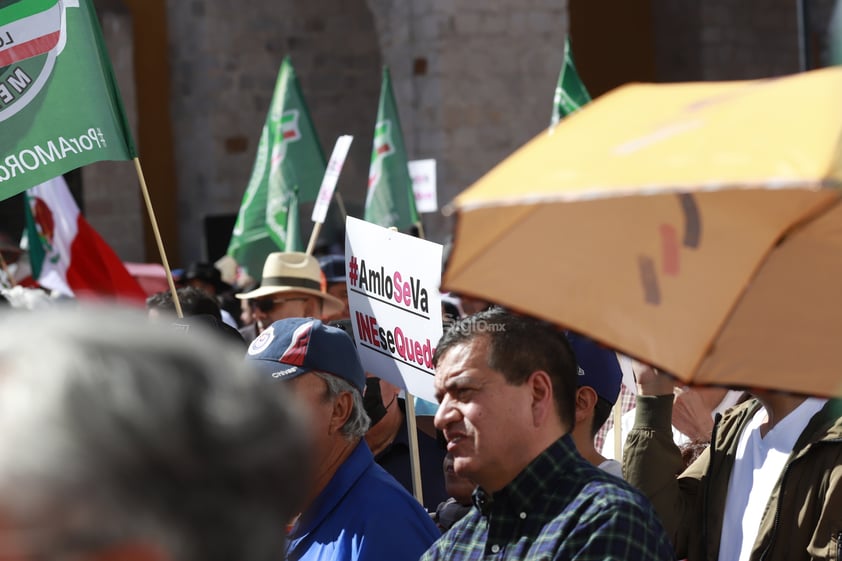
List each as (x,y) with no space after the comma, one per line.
(248,429)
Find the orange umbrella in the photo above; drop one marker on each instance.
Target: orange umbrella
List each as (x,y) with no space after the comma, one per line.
(695,226)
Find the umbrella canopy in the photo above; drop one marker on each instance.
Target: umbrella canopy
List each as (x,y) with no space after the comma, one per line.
(695,226)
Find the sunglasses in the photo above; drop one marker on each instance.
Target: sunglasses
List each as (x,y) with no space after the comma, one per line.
(267,304)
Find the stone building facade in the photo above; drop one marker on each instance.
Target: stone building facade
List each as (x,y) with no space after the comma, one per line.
(473,81)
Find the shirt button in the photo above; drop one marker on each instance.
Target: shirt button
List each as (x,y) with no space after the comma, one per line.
(523,516)
(495,548)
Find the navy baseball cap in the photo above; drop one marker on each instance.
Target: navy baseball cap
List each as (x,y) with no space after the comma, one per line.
(333,268)
(599,367)
(294,346)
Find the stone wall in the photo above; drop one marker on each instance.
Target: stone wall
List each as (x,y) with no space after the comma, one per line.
(726,40)
(473,81)
(224,68)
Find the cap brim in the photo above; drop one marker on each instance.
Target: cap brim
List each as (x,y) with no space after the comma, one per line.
(330,304)
(275,369)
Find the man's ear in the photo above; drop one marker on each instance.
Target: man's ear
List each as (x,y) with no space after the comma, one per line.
(314,307)
(341,412)
(585,402)
(543,404)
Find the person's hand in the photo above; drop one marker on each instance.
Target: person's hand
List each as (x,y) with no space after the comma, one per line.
(650,382)
(691,415)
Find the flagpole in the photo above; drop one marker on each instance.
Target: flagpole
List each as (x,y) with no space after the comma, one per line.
(314,235)
(414,457)
(158,240)
(338,198)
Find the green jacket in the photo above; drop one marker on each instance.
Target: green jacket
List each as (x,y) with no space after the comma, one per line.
(803,520)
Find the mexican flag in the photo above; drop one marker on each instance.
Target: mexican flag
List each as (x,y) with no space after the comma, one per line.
(65,252)
(60,108)
(289,166)
(390,200)
(570,93)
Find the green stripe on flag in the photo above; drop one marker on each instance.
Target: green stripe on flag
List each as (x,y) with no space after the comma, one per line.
(24,8)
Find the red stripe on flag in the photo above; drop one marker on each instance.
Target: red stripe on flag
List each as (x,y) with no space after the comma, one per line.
(29,49)
(96,271)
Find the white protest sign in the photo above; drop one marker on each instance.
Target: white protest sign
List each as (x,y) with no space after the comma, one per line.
(393,293)
(423,174)
(334,167)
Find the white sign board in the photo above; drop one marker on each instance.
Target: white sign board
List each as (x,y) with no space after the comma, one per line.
(334,167)
(393,293)
(423,174)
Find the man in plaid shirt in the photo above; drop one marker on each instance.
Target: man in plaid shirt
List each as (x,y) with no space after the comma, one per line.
(506,386)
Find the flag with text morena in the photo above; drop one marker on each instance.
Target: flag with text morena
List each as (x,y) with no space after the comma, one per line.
(60,107)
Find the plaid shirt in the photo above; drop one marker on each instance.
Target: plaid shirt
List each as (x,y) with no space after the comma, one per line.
(560,507)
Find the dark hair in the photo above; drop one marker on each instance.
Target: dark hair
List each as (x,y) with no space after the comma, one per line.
(692,450)
(194,301)
(518,346)
(601,412)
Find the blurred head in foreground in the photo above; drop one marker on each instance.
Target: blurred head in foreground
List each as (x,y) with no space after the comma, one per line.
(132,440)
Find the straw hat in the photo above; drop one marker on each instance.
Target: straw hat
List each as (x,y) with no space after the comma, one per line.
(293,271)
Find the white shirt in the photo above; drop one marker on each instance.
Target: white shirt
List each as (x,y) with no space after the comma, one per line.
(757,467)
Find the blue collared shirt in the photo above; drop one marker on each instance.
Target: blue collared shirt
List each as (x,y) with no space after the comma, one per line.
(559,507)
(363,514)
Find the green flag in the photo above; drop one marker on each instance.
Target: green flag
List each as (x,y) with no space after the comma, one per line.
(390,200)
(60,107)
(289,166)
(570,93)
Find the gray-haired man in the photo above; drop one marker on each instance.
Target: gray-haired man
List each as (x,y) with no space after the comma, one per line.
(126,438)
(355,510)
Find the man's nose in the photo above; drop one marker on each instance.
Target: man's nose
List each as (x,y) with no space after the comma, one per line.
(445,414)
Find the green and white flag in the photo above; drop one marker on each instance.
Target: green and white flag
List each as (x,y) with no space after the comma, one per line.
(389,200)
(60,107)
(289,166)
(570,93)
